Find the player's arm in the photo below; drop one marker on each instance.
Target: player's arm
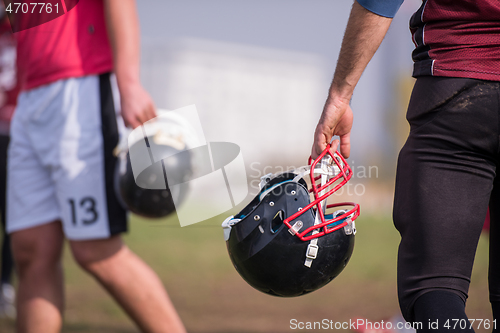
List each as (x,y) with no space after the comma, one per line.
(123,30)
(364,32)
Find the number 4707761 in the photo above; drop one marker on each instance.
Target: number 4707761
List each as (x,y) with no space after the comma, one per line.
(471,324)
(32,7)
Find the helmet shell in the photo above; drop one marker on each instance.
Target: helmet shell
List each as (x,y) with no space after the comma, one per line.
(150,200)
(270,258)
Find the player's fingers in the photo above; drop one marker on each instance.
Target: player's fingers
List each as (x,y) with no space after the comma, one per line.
(334,146)
(132,122)
(141,115)
(345,145)
(319,144)
(146,113)
(151,111)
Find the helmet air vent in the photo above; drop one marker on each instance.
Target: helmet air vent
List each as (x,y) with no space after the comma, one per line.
(277,221)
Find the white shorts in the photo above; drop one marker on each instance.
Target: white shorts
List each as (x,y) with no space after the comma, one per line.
(61,163)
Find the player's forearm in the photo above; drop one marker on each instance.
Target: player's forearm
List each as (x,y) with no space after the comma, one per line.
(364,33)
(123,30)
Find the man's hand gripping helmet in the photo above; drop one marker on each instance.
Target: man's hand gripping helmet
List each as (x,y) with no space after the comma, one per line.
(288,241)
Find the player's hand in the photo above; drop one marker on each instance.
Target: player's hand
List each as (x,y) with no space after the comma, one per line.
(336,119)
(137,107)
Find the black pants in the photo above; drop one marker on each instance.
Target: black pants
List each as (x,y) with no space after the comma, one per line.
(446,178)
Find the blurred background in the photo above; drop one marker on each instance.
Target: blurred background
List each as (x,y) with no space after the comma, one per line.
(258,72)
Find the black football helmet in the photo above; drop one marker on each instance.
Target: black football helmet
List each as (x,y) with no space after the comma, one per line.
(287,241)
(162,157)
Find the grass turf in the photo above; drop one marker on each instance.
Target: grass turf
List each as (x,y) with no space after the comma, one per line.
(212,298)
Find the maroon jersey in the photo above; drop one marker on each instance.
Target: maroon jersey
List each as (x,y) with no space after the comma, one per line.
(457,38)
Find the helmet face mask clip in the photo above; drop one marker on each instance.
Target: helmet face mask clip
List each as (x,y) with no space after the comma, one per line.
(288,241)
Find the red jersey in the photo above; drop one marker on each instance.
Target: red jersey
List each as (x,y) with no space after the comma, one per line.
(457,39)
(72,45)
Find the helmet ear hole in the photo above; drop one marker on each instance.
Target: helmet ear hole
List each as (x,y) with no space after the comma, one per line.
(277,221)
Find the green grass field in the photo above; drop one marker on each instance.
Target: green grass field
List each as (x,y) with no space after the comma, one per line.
(212,298)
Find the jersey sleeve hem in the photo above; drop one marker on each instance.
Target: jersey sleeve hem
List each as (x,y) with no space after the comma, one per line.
(386,8)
